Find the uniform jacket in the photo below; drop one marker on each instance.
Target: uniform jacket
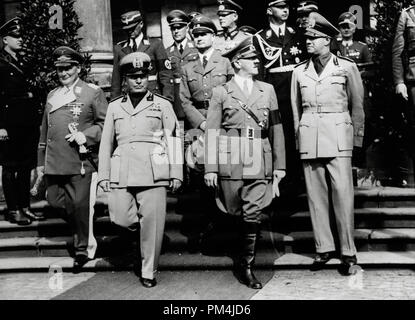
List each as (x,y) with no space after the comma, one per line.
(136,148)
(358,51)
(160,76)
(55,153)
(18,105)
(228,154)
(403,49)
(337,94)
(197,85)
(178,60)
(225,43)
(276,52)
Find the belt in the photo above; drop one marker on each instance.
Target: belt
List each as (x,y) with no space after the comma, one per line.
(201,104)
(149,139)
(287,68)
(247,133)
(324,109)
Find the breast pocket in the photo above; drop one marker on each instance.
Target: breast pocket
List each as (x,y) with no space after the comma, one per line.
(120,121)
(338,81)
(218,78)
(153,118)
(193,84)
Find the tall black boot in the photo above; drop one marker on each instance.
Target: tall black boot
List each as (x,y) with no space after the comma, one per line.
(243,270)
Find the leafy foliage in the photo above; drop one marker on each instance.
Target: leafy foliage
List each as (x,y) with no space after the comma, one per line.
(39,41)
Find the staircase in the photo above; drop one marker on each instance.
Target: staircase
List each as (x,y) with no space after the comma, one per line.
(384,235)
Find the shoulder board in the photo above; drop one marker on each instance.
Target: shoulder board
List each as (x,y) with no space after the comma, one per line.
(116,98)
(122,42)
(345,58)
(362,43)
(290,30)
(146,41)
(93,86)
(162,97)
(409,8)
(301,63)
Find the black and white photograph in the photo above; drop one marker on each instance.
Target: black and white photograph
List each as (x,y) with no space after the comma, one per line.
(208,155)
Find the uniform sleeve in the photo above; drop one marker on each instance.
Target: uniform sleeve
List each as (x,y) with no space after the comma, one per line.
(213,125)
(100,105)
(276,133)
(194,117)
(296,102)
(165,73)
(106,147)
(397,50)
(355,94)
(116,76)
(174,142)
(41,151)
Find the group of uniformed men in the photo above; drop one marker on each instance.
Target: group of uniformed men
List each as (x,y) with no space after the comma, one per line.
(255,103)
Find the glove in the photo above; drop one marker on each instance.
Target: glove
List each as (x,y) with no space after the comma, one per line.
(78,137)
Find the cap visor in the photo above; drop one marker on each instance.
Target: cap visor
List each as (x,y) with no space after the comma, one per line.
(312,33)
(66,63)
(202,30)
(130,26)
(178,24)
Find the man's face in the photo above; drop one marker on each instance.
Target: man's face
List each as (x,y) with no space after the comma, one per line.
(203,40)
(249,65)
(179,32)
(68,75)
(280,13)
(304,20)
(347,30)
(137,83)
(13,42)
(135,32)
(227,19)
(315,46)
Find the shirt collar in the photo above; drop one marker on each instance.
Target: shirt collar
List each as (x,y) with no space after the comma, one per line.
(183,43)
(137,41)
(323,59)
(240,82)
(347,43)
(276,28)
(208,54)
(71,88)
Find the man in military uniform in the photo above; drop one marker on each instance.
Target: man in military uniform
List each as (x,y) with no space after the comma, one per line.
(19,127)
(160,77)
(327,101)
(403,69)
(205,71)
(179,53)
(245,150)
(230,36)
(139,157)
(71,130)
(281,48)
(304,8)
(346,46)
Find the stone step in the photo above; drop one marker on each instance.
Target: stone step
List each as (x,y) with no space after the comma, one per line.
(197,261)
(364,218)
(218,243)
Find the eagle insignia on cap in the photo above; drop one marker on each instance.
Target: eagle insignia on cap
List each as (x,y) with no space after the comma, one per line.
(137,63)
(127,19)
(198,18)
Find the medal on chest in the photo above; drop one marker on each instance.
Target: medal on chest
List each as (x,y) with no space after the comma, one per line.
(76,110)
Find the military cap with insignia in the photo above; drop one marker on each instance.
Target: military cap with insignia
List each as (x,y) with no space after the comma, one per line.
(65,56)
(135,63)
(131,19)
(11,28)
(194,14)
(248,29)
(347,18)
(228,6)
(202,23)
(278,3)
(177,17)
(320,27)
(305,7)
(244,50)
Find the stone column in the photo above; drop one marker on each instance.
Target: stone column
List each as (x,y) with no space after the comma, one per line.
(97,38)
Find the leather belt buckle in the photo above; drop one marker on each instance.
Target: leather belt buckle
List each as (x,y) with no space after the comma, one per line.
(250,133)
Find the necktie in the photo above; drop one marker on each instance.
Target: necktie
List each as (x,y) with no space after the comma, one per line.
(205,61)
(280,35)
(246,89)
(134,46)
(181,48)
